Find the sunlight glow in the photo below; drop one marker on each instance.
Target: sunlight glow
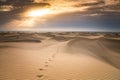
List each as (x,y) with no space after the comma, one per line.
(41,15)
(39,12)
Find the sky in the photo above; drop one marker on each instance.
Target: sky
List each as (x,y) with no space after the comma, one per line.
(60,15)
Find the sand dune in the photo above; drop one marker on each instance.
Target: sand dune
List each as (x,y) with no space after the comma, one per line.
(104,49)
(59,56)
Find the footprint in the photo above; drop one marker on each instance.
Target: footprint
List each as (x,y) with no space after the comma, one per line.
(46,62)
(40,76)
(53,56)
(41,69)
(46,65)
(50,60)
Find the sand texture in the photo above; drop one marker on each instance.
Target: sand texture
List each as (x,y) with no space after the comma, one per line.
(59,56)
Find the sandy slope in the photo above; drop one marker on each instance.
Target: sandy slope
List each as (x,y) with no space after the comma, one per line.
(74,59)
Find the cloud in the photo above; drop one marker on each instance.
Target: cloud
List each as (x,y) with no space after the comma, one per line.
(15,19)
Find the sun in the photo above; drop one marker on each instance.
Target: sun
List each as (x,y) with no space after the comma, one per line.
(38,12)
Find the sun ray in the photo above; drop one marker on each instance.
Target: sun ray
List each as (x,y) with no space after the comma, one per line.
(38,12)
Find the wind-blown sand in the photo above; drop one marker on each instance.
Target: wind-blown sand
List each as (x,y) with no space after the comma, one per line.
(60,56)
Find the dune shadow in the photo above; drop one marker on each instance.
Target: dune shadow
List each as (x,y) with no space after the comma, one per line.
(106,50)
(3,46)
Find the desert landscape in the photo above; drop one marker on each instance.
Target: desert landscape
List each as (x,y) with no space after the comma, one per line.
(59,39)
(59,56)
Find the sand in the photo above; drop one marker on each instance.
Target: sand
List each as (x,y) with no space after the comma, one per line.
(60,56)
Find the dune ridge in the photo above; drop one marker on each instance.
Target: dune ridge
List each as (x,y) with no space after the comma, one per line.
(101,48)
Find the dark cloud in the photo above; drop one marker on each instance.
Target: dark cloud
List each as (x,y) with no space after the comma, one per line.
(7,16)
